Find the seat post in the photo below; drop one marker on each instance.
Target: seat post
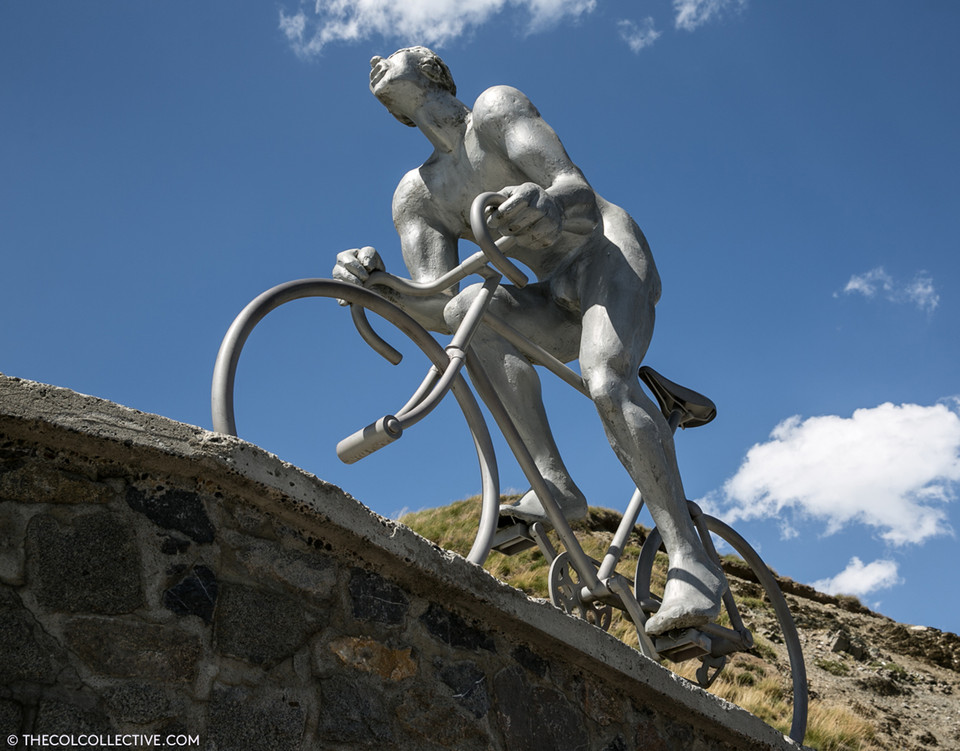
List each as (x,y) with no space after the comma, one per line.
(674,420)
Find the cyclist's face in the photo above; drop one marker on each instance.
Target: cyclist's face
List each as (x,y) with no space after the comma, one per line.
(400,67)
(408,79)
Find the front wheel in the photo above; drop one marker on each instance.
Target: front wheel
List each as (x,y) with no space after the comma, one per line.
(777,628)
(225,369)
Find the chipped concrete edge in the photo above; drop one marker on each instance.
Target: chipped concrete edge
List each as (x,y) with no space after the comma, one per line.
(97,429)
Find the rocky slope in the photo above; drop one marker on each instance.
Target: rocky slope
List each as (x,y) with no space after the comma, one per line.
(874,684)
(902,682)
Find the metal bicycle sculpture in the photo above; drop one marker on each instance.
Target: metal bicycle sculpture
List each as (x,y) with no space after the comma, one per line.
(578,584)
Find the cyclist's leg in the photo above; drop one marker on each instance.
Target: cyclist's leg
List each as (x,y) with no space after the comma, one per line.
(517,384)
(618,299)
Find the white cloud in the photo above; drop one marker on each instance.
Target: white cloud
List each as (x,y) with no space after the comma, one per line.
(891,468)
(877,282)
(431,22)
(546,13)
(870,283)
(921,293)
(638,35)
(293,26)
(858,579)
(691,14)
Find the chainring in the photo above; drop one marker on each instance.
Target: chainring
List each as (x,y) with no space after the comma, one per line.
(564,586)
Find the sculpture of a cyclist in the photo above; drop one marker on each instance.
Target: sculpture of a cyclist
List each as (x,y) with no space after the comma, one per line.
(594,297)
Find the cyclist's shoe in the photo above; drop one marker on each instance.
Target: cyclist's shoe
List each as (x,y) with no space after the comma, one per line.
(529,508)
(691,597)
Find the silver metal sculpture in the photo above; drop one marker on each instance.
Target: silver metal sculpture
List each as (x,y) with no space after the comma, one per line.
(498,167)
(593,298)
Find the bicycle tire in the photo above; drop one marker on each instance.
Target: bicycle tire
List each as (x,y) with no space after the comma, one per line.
(768,582)
(225,369)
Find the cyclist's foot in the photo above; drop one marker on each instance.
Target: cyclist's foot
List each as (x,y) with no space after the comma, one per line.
(573,506)
(691,597)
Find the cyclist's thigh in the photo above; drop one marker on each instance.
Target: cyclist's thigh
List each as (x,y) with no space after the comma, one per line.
(617,296)
(533,312)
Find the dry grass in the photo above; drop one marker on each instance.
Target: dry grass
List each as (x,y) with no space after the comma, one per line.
(836,728)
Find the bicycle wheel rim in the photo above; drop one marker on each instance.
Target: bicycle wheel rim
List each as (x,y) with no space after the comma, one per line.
(798,672)
(228,357)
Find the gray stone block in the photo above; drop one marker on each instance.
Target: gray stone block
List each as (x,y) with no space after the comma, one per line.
(452,630)
(536,718)
(128,648)
(13,527)
(430,723)
(89,565)
(195,594)
(352,711)
(138,703)
(260,627)
(11,716)
(530,660)
(469,684)
(26,652)
(174,509)
(30,480)
(245,719)
(375,599)
(616,744)
(63,717)
(304,573)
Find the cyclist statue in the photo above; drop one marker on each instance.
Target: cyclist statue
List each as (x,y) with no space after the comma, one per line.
(593,299)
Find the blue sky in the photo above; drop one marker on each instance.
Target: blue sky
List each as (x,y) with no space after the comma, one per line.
(793,165)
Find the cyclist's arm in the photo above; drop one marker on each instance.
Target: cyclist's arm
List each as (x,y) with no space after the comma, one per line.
(508,122)
(429,250)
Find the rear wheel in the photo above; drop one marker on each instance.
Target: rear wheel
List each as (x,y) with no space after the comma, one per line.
(771,620)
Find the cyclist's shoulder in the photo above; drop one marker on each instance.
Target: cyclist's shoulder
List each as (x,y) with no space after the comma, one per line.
(414,201)
(411,188)
(499,106)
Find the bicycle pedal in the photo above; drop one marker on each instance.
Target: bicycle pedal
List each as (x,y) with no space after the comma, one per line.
(681,645)
(512,537)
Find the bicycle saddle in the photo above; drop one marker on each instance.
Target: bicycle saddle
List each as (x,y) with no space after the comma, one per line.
(697,409)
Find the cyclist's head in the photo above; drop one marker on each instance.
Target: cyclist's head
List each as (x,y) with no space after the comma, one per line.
(415,65)
(432,67)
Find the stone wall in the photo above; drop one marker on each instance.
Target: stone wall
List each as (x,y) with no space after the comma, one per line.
(164,586)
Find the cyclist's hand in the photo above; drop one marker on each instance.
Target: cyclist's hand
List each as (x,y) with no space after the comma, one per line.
(530,214)
(354,265)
